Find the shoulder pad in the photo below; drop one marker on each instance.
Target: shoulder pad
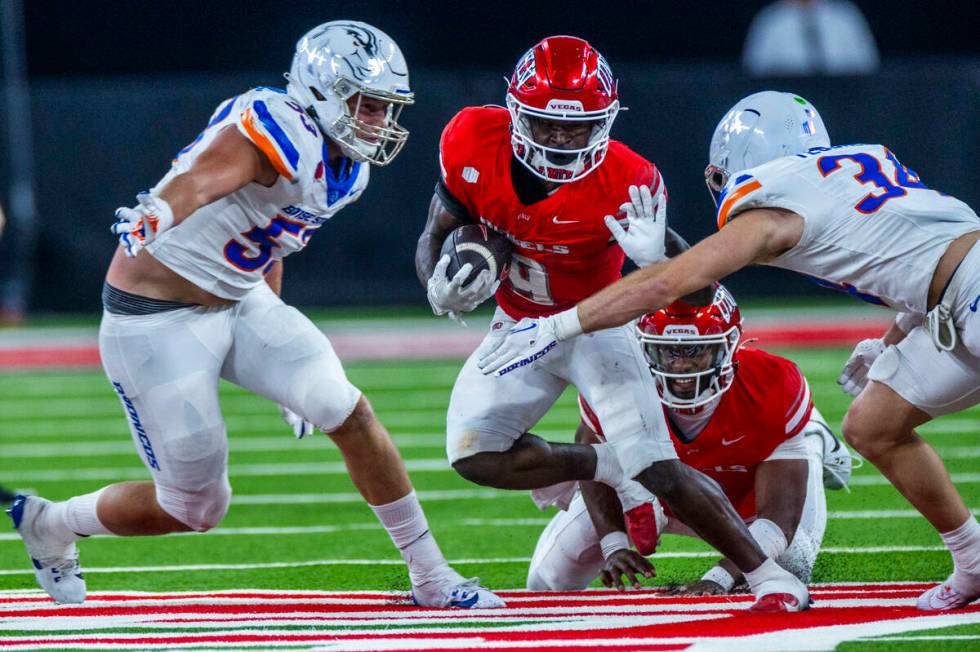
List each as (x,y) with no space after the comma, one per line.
(280,128)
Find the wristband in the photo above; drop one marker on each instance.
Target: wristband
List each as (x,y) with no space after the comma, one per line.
(567,324)
(721,577)
(613,542)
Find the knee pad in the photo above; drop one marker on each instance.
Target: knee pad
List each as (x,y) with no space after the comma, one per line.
(199,510)
(326,398)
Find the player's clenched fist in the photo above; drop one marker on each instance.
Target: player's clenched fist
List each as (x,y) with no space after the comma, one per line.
(449,295)
(138,226)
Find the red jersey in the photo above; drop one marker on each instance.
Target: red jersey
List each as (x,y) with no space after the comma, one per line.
(768,403)
(563,251)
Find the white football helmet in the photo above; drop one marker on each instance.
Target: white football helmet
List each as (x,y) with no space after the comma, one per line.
(761,127)
(343,58)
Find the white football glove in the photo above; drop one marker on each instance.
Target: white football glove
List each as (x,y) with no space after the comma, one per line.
(646,226)
(301,427)
(855,375)
(526,342)
(449,296)
(138,226)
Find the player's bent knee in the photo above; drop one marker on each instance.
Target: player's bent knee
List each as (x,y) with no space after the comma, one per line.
(663,478)
(199,510)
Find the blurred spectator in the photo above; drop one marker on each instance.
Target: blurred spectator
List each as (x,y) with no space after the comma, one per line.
(800,38)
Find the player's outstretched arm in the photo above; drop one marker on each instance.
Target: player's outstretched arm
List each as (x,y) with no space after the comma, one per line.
(230,162)
(780,490)
(756,236)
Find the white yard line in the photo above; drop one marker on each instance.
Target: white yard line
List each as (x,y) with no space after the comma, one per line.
(123,446)
(21,476)
(396,562)
(14,476)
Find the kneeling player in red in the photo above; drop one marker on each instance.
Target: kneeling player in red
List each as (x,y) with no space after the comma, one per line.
(741,416)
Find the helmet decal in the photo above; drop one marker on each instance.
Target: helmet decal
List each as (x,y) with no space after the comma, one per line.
(340,60)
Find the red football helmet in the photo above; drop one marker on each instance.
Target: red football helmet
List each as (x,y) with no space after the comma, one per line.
(690,349)
(562,79)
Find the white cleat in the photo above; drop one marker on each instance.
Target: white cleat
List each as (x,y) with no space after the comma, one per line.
(837,460)
(782,592)
(453,592)
(55,562)
(951,594)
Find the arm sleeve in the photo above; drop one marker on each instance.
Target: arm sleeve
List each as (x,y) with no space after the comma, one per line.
(799,403)
(455,207)
(793,448)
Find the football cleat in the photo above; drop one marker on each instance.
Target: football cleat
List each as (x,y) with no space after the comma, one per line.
(778,603)
(946,596)
(55,562)
(779,591)
(837,460)
(454,592)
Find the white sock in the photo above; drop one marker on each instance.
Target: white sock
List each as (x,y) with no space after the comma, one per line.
(74,518)
(409,530)
(768,571)
(964,544)
(769,536)
(607,468)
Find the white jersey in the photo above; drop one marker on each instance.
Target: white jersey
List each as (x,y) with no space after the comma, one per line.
(226,246)
(872,228)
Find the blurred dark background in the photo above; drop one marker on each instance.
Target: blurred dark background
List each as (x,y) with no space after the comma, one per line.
(116,88)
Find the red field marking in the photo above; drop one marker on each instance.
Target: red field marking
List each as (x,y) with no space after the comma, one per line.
(638,620)
(386,345)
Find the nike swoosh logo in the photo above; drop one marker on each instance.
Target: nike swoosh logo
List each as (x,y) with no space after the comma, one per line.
(557,221)
(976,302)
(729,442)
(526,328)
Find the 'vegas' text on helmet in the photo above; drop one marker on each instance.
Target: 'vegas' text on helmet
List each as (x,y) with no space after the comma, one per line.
(562,79)
(691,349)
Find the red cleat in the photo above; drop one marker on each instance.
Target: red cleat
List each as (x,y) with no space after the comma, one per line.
(778,603)
(641,523)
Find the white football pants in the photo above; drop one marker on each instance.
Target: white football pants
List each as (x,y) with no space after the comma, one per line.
(568,557)
(165,368)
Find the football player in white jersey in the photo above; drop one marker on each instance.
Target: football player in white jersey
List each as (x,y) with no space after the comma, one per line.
(853,217)
(191,296)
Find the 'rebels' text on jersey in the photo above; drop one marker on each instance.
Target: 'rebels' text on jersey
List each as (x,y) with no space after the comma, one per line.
(563,251)
(226,246)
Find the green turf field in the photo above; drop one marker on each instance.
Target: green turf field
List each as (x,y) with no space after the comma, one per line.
(63,433)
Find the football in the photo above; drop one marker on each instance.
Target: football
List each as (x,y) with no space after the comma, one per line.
(480,246)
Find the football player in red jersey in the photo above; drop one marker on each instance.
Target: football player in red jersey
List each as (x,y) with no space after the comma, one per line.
(741,416)
(545,173)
